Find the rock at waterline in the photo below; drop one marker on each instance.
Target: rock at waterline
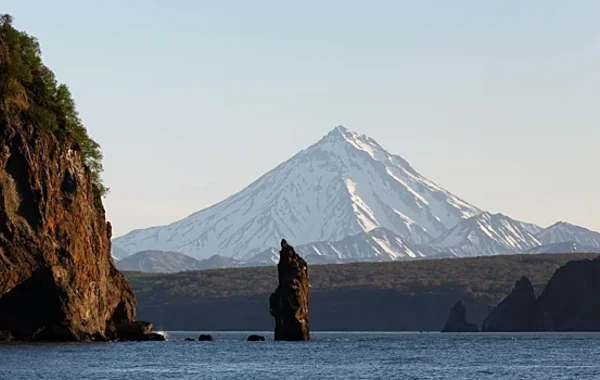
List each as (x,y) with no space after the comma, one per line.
(5,336)
(457,320)
(516,312)
(205,338)
(289,303)
(256,338)
(571,299)
(138,331)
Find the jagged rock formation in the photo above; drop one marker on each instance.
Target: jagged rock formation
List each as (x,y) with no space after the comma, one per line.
(289,303)
(571,299)
(515,312)
(457,320)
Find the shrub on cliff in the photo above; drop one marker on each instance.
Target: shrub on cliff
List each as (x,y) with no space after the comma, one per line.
(30,95)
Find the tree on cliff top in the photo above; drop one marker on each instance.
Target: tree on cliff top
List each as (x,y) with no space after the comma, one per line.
(30,95)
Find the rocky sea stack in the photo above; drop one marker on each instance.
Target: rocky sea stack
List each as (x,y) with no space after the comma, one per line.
(57,279)
(514,313)
(457,320)
(289,303)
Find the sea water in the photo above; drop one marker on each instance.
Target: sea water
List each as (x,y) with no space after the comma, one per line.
(340,355)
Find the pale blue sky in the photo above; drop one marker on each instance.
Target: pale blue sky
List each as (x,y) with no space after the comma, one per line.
(499,102)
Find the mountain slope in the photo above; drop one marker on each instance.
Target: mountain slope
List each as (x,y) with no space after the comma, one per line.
(216,261)
(530,227)
(343,185)
(564,247)
(486,234)
(118,253)
(378,244)
(158,262)
(563,232)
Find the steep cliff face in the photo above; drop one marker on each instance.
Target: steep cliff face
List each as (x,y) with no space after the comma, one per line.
(289,303)
(515,312)
(571,299)
(457,320)
(57,278)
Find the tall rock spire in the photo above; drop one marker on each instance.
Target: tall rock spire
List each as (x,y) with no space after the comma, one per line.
(289,303)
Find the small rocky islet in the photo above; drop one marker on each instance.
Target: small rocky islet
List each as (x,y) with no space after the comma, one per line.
(457,320)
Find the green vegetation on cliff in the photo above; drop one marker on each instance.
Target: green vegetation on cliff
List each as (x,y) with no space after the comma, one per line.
(31,96)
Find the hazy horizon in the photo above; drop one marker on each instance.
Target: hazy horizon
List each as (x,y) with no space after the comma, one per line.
(191,102)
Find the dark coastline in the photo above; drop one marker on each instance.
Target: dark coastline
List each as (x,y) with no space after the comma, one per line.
(338,310)
(399,296)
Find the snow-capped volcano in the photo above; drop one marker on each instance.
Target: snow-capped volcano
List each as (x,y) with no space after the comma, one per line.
(486,234)
(343,185)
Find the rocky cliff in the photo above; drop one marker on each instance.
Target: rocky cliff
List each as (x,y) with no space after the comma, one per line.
(457,320)
(571,299)
(57,278)
(289,303)
(515,312)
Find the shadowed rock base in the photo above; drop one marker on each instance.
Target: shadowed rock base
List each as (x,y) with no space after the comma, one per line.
(515,313)
(571,299)
(289,303)
(457,321)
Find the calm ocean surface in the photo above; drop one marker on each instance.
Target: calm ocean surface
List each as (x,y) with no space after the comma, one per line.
(328,356)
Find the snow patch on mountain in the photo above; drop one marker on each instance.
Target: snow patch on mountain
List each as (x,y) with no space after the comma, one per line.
(530,227)
(379,244)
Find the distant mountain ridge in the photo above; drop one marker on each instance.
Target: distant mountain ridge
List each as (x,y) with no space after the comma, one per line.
(476,236)
(562,231)
(345,199)
(563,247)
(486,234)
(172,262)
(158,262)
